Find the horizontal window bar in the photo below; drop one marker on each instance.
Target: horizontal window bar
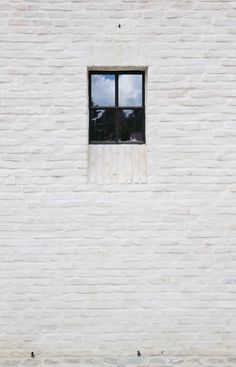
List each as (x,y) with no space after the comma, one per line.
(117,72)
(117,108)
(95,142)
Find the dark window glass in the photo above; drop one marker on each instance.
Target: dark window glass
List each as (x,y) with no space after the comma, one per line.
(103,127)
(131,126)
(102,90)
(116,107)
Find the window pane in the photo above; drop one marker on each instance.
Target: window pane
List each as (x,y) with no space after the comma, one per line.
(102,90)
(102,125)
(131,126)
(130,90)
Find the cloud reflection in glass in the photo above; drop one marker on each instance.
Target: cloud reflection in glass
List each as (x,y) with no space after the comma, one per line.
(130,90)
(103,90)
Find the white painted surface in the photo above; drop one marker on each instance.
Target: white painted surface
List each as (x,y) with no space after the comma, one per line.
(105,270)
(117,164)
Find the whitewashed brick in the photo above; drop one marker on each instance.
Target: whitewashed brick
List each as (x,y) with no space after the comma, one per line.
(94,268)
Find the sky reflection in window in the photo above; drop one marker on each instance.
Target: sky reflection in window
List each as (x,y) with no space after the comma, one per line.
(103,90)
(130,90)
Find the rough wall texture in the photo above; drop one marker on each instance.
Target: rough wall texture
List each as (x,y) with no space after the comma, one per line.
(91,273)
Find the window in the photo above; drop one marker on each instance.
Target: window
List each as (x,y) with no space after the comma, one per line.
(116,107)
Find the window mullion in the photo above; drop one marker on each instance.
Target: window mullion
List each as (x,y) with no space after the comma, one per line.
(116,104)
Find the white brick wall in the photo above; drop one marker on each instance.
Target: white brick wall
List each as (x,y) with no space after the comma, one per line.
(90,274)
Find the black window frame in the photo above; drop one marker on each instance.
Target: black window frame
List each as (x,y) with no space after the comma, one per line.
(117,108)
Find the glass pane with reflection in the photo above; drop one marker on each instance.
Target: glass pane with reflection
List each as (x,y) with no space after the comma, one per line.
(130,90)
(131,123)
(102,90)
(102,125)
